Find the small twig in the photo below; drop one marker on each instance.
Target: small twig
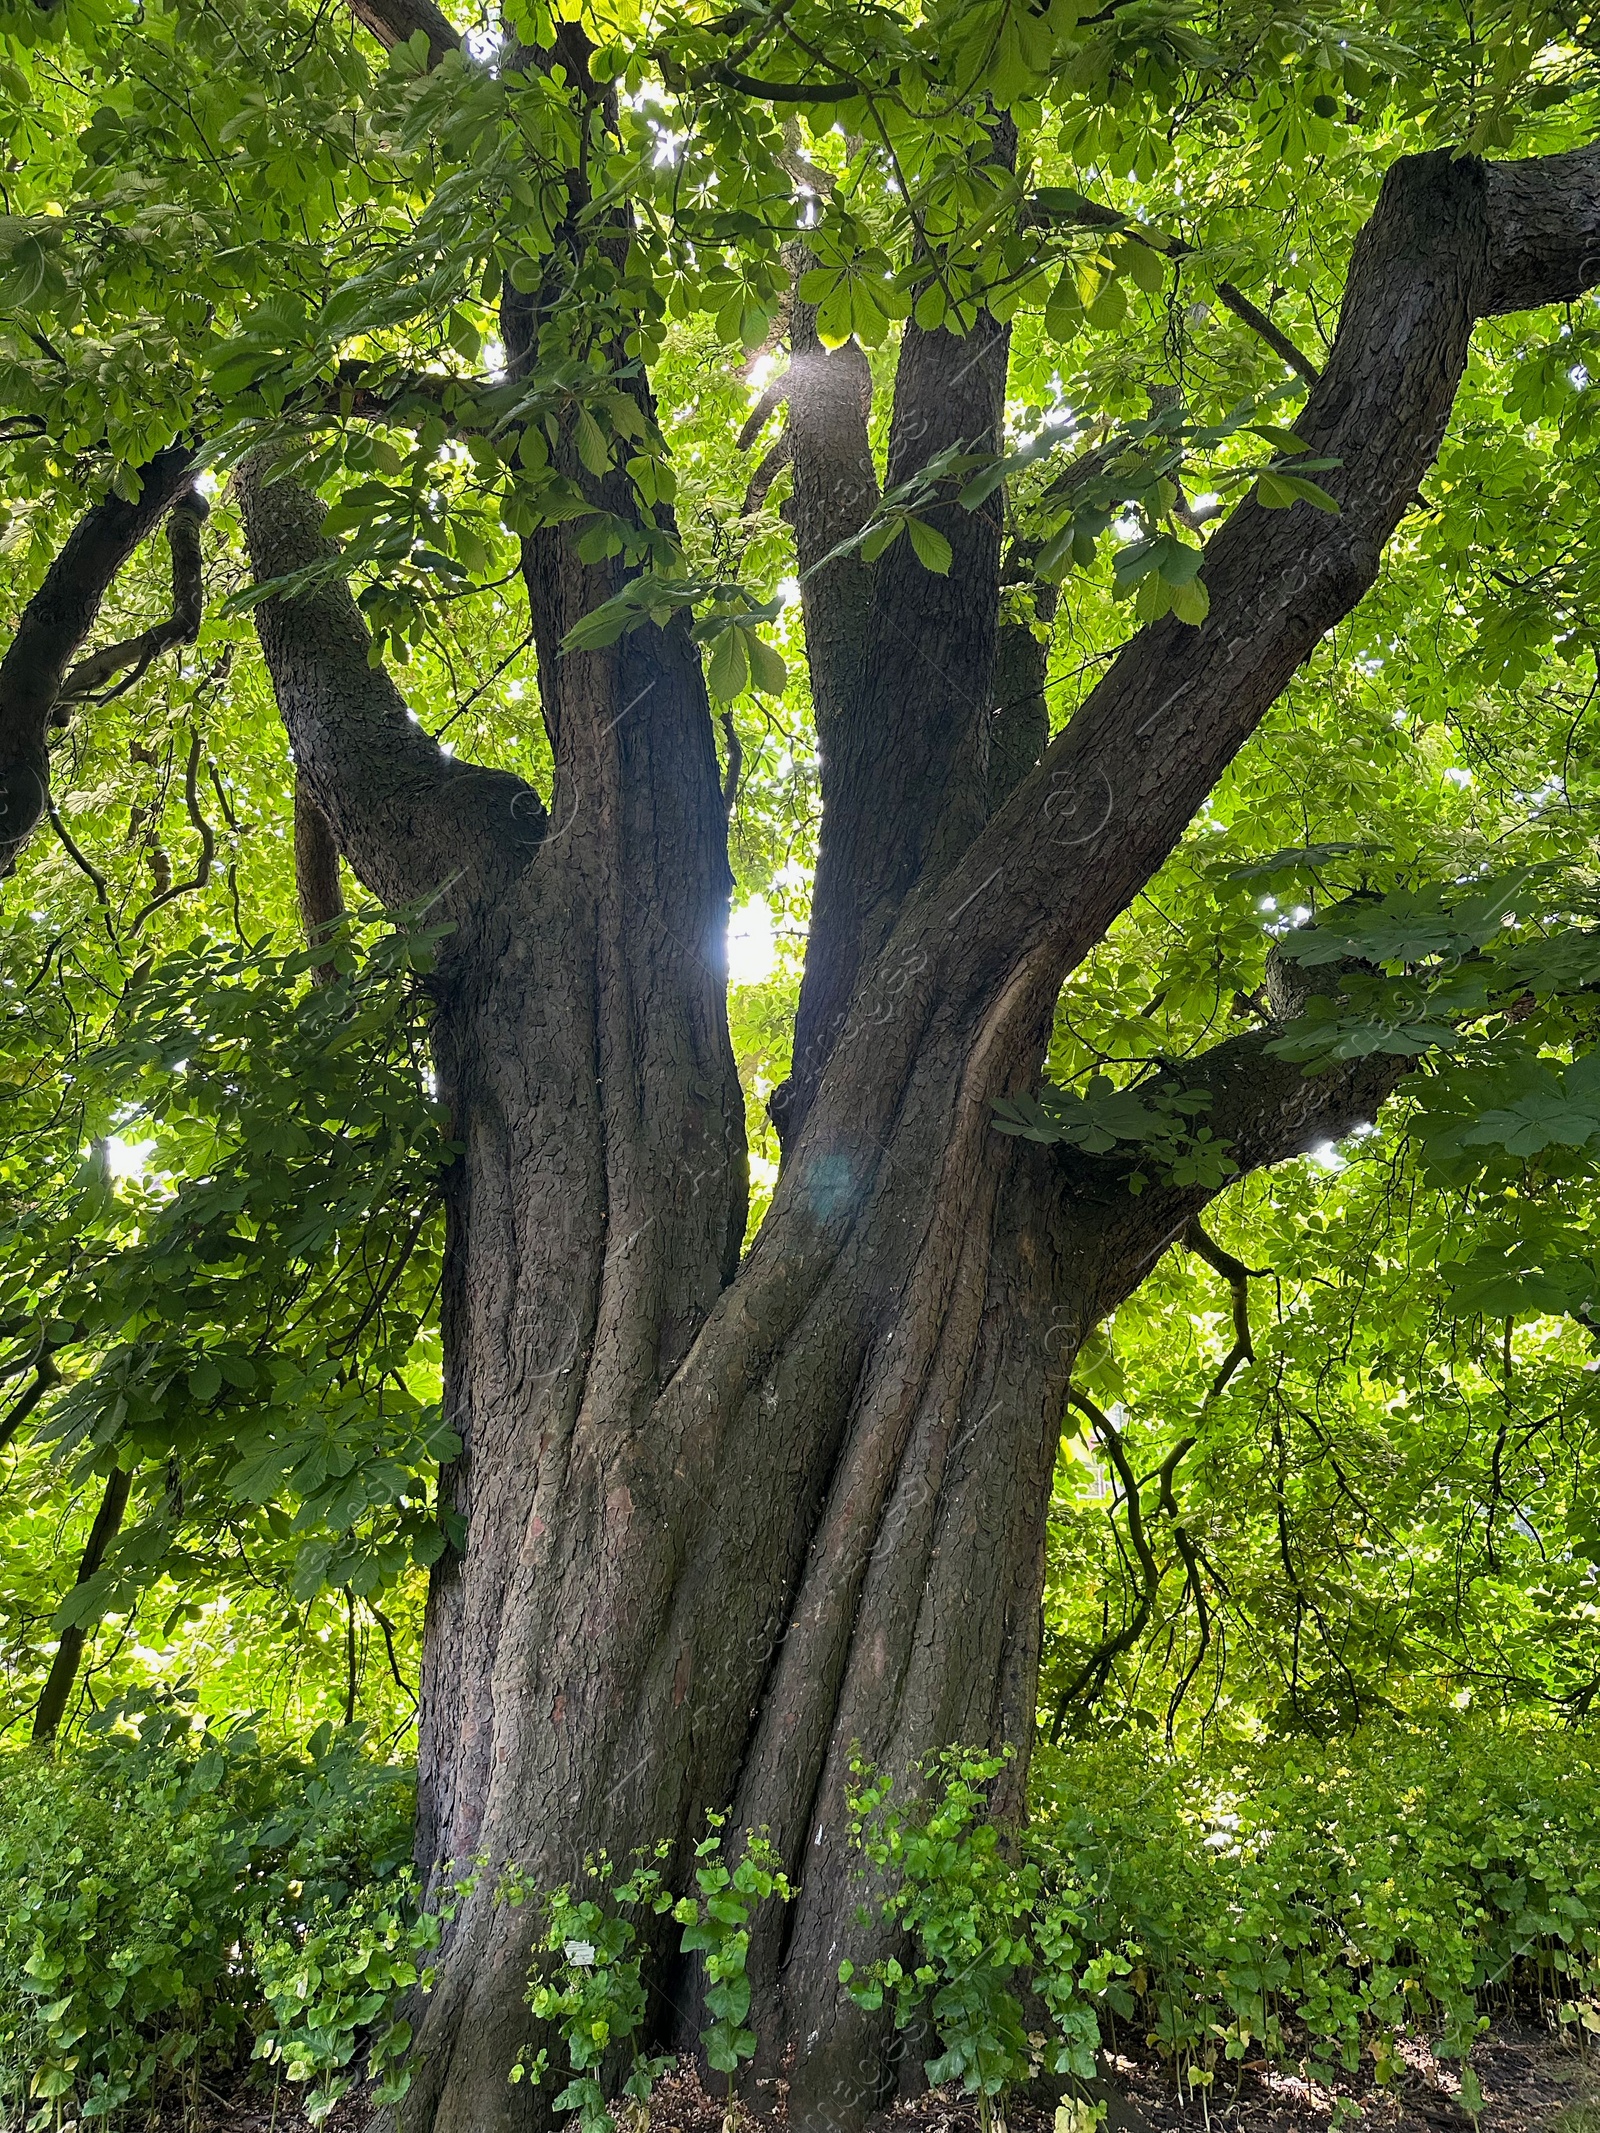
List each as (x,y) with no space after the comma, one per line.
(79,858)
(1238,1276)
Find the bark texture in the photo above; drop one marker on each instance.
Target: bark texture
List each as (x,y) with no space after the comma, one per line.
(728,1521)
(725,1526)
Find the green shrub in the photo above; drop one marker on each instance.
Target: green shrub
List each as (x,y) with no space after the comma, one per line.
(588,1984)
(139,1870)
(1309,1906)
(335,1976)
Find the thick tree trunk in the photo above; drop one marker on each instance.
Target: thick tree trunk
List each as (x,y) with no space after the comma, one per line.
(723,1526)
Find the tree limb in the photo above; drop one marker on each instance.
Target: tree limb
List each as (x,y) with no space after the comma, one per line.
(316,875)
(55,623)
(772,465)
(188,514)
(763,411)
(395,22)
(1114,792)
(63,1673)
(1067,206)
(409,818)
(902,659)
(1238,1276)
(1091,1677)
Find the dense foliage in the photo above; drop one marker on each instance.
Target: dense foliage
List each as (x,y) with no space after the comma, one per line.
(186,1900)
(1323,1619)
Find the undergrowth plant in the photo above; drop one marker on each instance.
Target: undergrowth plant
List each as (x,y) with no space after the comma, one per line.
(139,1869)
(588,1983)
(1310,1904)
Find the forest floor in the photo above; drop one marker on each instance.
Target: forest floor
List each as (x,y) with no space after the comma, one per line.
(1531,2083)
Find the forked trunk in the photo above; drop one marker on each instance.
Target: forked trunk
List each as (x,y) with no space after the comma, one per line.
(728,1525)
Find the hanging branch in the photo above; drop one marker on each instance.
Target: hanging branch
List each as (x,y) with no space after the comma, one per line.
(1238,1276)
(1091,1677)
(208,841)
(1063,205)
(79,858)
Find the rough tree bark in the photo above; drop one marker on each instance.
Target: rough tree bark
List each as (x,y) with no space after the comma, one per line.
(723,1526)
(726,1521)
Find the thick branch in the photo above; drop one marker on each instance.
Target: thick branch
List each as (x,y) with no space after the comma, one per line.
(393,22)
(409,818)
(1265,1110)
(829,391)
(1084,833)
(55,623)
(1543,218)
(1019,726)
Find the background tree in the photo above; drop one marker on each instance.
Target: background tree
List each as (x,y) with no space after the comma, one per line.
(728,1508)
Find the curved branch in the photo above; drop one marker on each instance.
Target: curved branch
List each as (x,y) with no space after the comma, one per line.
(189,513)
(55,623)
(409,818)
(1238,1276)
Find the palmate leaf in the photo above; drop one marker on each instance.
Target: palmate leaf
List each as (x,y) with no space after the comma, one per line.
(1544,1118)
(1518,1280)
(1297,859)
(1411,925)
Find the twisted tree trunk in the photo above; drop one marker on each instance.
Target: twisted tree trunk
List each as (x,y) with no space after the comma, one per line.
(725,1521)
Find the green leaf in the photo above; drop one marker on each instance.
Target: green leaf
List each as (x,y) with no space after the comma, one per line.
(728,674)
(933,551)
